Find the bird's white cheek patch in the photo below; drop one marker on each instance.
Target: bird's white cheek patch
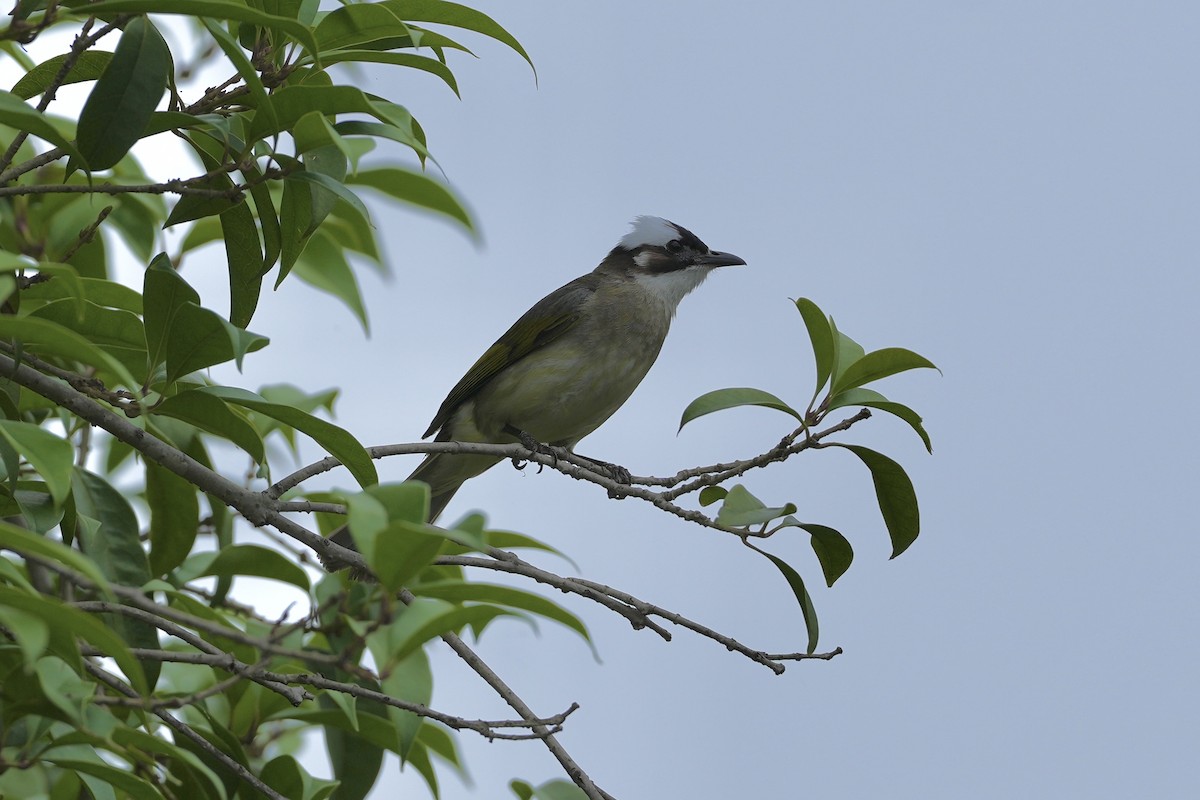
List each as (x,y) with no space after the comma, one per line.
(643,259)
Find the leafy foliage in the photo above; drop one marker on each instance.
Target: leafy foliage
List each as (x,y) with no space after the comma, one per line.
(844,367)
(126,667)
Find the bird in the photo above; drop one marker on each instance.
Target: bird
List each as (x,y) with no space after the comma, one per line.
(572,359)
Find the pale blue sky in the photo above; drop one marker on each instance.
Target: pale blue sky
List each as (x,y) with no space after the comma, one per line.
(1009,189)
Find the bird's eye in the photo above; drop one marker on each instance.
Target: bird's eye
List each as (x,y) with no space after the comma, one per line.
(674,245)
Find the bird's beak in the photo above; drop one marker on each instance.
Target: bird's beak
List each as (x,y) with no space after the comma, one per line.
(715,259)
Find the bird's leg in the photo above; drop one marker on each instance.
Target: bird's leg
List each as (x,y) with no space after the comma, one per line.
(532,445)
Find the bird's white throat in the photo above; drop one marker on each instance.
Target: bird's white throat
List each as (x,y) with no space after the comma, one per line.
(669,288)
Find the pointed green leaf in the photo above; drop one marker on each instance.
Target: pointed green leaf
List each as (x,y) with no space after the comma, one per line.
(213,415)
(89,65)
(431,65)
(896,496)
(200,338)
(245,559)
(469,591)
(802,597)
(821,336)
(323,266)
(65,620)
(458,16)
(20,540)
(165,291)
(174,518)
(51,455)
(845,352)
(244,254)
(44,337)
(722,399)
(711,494)
(833,550)
(120,104)
(879,364)
(416,189)
(338,442)
(109,534)
(16,113)
(220,9)
(873,399)
(742,509)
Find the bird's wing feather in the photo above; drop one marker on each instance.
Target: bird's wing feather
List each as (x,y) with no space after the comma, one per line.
(549,319)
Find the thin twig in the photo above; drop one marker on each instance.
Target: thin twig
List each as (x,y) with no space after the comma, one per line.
(87,234)
(186,730)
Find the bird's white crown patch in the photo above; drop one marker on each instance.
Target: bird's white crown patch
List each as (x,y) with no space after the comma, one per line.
(649,231)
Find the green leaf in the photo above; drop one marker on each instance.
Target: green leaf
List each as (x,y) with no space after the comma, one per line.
(51,455)
(415,189)
(879,364)
(89,65)
(213,415)
(165,292)
(323,266)
(119,105)
(291,103)
(338,442)
(245,256)
(431,65)
(174,518)
(426,619)
(119,333)
(130,785)
(873,399)
(221,9)
(742,509)
(335,187)
(44,337)
(469,591)
(458,16)
(32,634)
(16,113)
(67,622)
(832,549)
(108,531)
(711,494)
(99,291)
(896,496)
(245,559)
(722,399)
(295,223)
(20,540)
(200,338)
(802,597)
(821,336)
(846,351)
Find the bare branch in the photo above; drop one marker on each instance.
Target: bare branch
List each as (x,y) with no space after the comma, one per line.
(185,730)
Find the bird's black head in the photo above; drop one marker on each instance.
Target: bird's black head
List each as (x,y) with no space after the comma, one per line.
(657,246)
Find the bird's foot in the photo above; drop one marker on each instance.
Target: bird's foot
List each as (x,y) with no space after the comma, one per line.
(614,472)
(532,445)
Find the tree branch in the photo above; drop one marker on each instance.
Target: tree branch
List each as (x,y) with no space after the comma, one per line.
(185,730)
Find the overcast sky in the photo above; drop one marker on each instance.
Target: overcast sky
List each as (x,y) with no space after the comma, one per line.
(1009,189)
